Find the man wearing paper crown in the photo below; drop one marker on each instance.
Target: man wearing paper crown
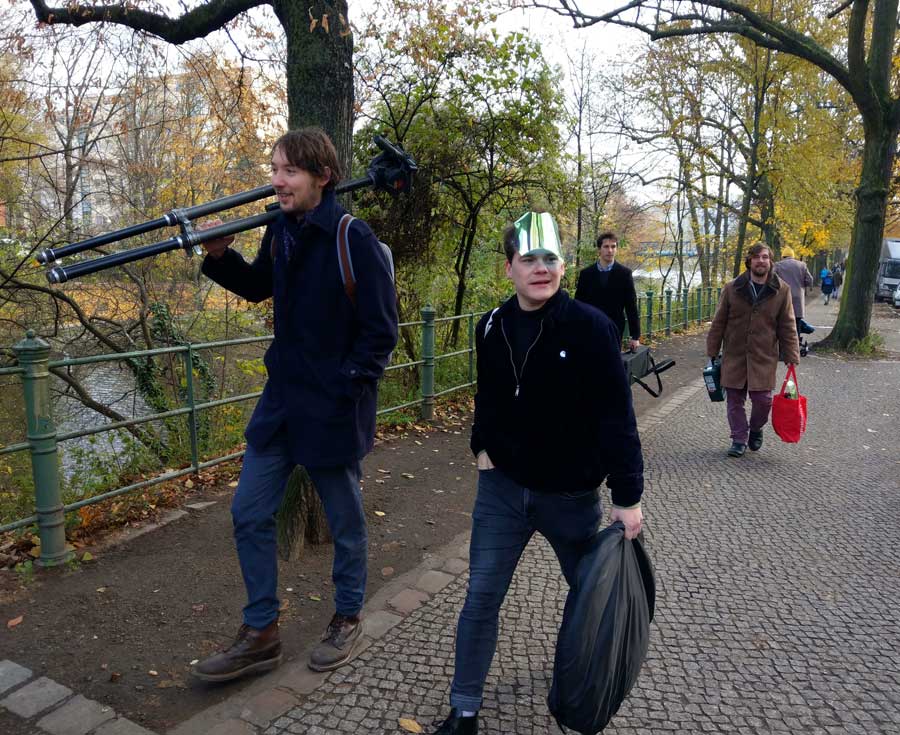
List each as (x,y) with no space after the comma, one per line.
(541,455)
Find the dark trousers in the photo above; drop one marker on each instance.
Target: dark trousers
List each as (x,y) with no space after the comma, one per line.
(259,493)
(506,516)
(760,405)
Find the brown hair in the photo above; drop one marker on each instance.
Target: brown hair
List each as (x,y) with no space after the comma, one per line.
(312,150)
(607,236)
(756,250)
(510,242)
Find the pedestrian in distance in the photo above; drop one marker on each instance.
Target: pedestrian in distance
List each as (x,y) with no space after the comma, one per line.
(838,275)
(318,405)
(609,286)
(753,324)
(796,275)
(540,459)
(827,285)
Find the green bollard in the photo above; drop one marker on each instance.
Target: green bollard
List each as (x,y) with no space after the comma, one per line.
(685,310)
(426,412)
(33,355)
(649,330)
(668,312)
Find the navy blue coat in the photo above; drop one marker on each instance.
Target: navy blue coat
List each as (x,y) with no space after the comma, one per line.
(327,355)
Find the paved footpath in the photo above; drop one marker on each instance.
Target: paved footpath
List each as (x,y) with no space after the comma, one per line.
(778,584)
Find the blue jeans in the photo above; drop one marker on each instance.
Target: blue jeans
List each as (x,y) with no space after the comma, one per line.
(506,516)
(259,492)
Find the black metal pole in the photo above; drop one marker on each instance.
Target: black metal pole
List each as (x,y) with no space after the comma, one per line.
(61,274)
(49,255)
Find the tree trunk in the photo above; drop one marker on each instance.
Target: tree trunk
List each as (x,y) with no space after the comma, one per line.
(319,69)
(879,152)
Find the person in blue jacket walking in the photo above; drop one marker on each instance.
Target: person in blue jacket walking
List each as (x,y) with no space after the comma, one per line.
(318,405)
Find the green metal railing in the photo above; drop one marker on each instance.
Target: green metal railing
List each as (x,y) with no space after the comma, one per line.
(662,313)
(659,314)
(43,439)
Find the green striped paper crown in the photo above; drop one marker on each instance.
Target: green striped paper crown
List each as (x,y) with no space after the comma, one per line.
(537,234)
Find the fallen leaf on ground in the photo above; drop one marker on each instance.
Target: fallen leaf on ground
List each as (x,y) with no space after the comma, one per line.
(379,513)
(315,598)
(384,472)
(153,673)
(387,571)
(410,725)
(407,475)
(87,556)
(15,621)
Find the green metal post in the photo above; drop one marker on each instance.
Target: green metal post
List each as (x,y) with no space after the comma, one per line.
(685,294)
(699,294)
(668,312)
(33,355)
(471,348)
(649,329)
(427,410)
(709,310)
(192,404)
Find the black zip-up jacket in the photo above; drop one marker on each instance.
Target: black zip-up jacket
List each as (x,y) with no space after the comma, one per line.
(563,421)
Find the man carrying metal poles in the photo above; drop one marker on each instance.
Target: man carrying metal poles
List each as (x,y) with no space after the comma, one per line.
(331,346)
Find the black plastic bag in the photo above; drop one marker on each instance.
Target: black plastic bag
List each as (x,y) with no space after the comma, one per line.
(605,632)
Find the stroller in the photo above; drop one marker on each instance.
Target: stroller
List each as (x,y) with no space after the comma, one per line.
(804,328)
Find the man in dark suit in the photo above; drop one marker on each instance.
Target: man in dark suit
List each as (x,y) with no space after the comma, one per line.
(608,286)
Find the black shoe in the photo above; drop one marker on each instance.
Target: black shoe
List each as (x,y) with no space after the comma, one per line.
(456,725)
(737,449)
(755,442)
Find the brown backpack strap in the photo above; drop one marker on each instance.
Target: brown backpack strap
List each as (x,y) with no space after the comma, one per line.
(343,253)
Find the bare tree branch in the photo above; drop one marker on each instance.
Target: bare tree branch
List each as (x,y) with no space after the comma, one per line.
(196,23)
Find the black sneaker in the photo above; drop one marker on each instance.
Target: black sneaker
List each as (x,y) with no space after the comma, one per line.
(737,449)
(755,442)
(456,725)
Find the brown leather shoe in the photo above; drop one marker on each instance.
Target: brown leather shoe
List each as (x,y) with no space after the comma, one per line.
(253,651)
(336,647)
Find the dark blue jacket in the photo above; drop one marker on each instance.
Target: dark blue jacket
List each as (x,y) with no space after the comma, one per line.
(572,423)
(327,355)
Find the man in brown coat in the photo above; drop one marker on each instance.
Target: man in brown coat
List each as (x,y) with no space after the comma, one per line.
(755,320)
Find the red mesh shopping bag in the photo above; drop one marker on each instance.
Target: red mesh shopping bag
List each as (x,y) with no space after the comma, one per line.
(789,414)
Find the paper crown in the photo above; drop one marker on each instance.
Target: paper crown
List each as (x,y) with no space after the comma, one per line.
(537,234)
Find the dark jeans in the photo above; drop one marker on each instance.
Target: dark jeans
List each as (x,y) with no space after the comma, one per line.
(506,516)
(259,492)
(760,405)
